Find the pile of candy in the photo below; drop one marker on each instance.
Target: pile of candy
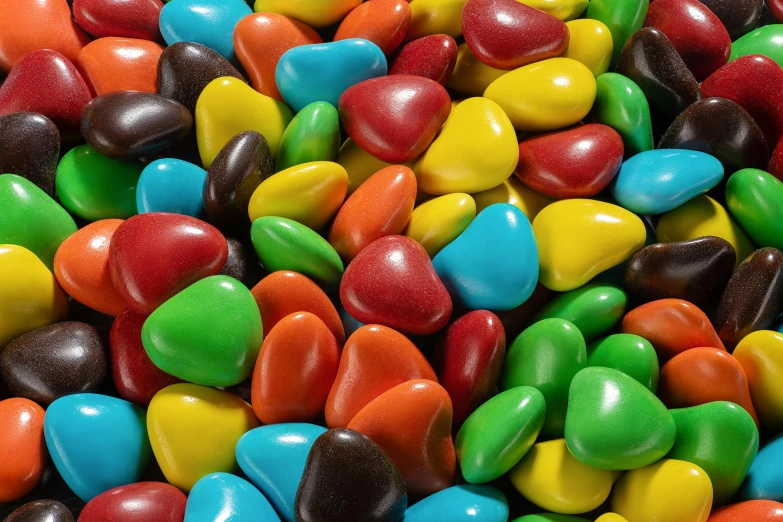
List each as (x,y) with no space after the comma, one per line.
(391,260)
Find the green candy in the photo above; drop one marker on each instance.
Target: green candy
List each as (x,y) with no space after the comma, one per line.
(628,353)
(313,135)
(546,356)
(622,17)
(550,517)
(613,422)
(30,218)
(499,433)
(285,244)
(209,334)
(766,40)
(621,104)
(755,199)
(719,437)
(594,309)
(95,187)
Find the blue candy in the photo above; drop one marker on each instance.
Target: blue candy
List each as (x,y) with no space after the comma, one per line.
(223,496)
(657,181)
(171,185)
(765,478)
(466,503)
(273,457)
(322,72)
(96,442)
(493,264)
(208,22)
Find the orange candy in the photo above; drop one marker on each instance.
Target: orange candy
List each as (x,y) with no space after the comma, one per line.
(375,359)
(283,293)
(295,370)
(412,424)
(40,24)
(22,448)
(81,266)
(749,511)
(383,22)
(380,207)
(672,326)
(703,375)
(261,39)
(119,64)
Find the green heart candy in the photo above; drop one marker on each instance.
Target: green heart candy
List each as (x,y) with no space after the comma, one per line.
(594,309)
(313,135)
(628,353)
(621,104)
(755,199)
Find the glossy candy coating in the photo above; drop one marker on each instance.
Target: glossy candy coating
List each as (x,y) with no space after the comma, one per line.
(514,192)
(764,41)
(590,43)
(430,17)
(313,135)
(593,308)
(22,448)
(136,19)
(382,22)
(119,64)
(463,503)
(628,353)
(137,502)
(763,480)
(738,17)
(621,104)
(30,147)
(171,185)
(752,197)
(759,356)
(622,17)
(431,56)
(437,222)
(49,510)
(318,15)
(470,76)
(749,511)
(217,494)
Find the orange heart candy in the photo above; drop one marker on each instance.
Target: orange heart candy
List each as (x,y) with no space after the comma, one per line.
(22,448)
(119,64)
(383,22)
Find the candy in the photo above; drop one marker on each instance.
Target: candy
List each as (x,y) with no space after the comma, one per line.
(314,14)
(562,9)
(621,104)
(763,479)
(219,493)
(119,64)
(749,511)
(628,353)
(21,447)
(135,19)
(470,76)
(590,43)
(49,510)
(514,192)
(430,17)
(201,21)
(30,147)
(759,356)
(383,22)
(738,17)
(439,221)
(594,309)
(313,135)
(464,503)
(432,57)
(622,17)
(171,185)
(753,197)
(764,41)
(137,503)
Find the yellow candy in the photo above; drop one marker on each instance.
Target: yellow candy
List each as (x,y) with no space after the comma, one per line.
(477,149)
(434,17)
(310,193)
(546,95)
(551,478)
(761,356)
(471,76)
(228,106)
(703,216)
(610,517)
(515,192)
(439,221)
(590,44)
(315,13)
(30,297)
(358,163)
(193,430)
(562,9)
(667,491)
(580,238)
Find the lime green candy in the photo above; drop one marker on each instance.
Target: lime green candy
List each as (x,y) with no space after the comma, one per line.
(628,353)
(546,356)
(622,17)
(285,244)
(766,40)
(313,135)
(621,104)
(499,433)
(30,218)
(755,199)
(719,437)
(613,422)
(94,187)
(209,334)
(594,309)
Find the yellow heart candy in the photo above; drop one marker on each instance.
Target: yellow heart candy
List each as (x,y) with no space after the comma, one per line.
(580,238)
(310,193)
(562,9)
(515,192)
(228,106)
(590,44)
(315,13)
(193,431)
(667,491)
(435,17)
(477,149)
(761,356)
(551,478)
(439,221)
(471,76)
(546,95)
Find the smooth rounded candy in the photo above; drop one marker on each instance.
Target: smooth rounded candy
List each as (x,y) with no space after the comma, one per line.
(313,135)
(761,356)
(318,15)
(749,511)
(464,503)
(30,147)
(516,193)
(136,19)
(183,419)
(764,478)
(590,43)
(119,64)
(137,502)
(432,57)
(430,17)
(470,76)
(753,198)
(593,308)
(764,41)
(578,238)
(383,23)
(439,221)
(622,17)
(545,96)
(738,17)
(358,163)
(219,493)
(22,448)
(621,104)
(201,21)
(628,353)
(49,510)
(171,185)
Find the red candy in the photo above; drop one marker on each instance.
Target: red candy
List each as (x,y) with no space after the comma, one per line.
(383,22)
(432,57)
(128,18)
(139,502)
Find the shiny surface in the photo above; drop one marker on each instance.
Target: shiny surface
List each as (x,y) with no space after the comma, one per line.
(383,22)
(228,497)
(201,21)
(753,198)
(30,147)
(430,17)
(590,43)
(171,185)
(313,135)
(130,19)
(119,64)
(37,510)
(738,17)
(139,502)
(470,76)
(628,353)
(22,448)
(764,479)
(759,354)
(594,309)
(431,57)
(439,221)
(464,503)
(621,104)
(622,17)
(765,41)
(315,14)
(749,511)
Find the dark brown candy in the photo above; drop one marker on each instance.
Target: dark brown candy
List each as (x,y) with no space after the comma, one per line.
(723,129)
(243,163)
(696,271)
(753,298)
(131,124)
(185,68)
(650,60)
(53,361)
(348,477)
(738,16)
(29,147)
(241,263)
(41,511)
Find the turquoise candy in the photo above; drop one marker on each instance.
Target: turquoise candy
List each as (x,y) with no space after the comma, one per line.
(322,72)
(657,181)
(273,458)
(96,442)
(465,503)
(765,478)
(171,185)
(593,308)
(493,264)
(223,496)
(208,22)
(313,135)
